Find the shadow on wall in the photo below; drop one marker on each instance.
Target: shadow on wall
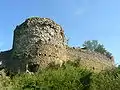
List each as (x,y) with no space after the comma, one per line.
(32,67)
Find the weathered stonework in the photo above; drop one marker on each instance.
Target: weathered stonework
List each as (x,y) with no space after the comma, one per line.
(89,59)
(42,41)
(39,40)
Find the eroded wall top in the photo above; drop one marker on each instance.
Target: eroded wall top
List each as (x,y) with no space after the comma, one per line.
(37,31)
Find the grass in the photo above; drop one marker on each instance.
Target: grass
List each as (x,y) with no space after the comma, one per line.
(68,77)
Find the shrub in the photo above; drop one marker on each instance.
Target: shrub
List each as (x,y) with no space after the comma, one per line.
(68,77)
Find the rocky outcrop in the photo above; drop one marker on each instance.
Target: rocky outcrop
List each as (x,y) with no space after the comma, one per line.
(40,41)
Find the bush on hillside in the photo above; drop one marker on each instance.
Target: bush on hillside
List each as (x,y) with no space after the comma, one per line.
(68,77)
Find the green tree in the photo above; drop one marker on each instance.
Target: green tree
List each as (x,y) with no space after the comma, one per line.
(94,45)
(100,48)
(91,45)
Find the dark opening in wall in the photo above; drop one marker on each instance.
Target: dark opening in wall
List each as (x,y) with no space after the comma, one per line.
(49,55)
(45,55)
(49,40)
(56,46)
(33,67)
(40,54)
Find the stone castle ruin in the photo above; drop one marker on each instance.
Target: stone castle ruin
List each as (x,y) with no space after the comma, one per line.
(40,41)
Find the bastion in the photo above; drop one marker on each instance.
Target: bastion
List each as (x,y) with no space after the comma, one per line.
(40,41)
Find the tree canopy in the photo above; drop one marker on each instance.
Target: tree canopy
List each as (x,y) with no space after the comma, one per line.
(94,45)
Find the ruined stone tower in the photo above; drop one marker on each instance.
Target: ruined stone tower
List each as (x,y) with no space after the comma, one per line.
(39,40)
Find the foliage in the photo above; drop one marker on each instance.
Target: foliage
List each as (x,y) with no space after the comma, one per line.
(107,80)
(68,77)
(100,48)
(91,44)
(94,45)
(119,66)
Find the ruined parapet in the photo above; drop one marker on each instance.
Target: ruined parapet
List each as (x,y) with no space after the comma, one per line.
(39,40)
(90,59)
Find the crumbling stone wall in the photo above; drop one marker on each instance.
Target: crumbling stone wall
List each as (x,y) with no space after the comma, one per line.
(88,59)
(41,41)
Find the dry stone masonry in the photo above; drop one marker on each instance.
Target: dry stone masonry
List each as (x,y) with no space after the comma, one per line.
(40,41)
(89,59)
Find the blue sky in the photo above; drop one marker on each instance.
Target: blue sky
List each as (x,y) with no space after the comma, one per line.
(81,20)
